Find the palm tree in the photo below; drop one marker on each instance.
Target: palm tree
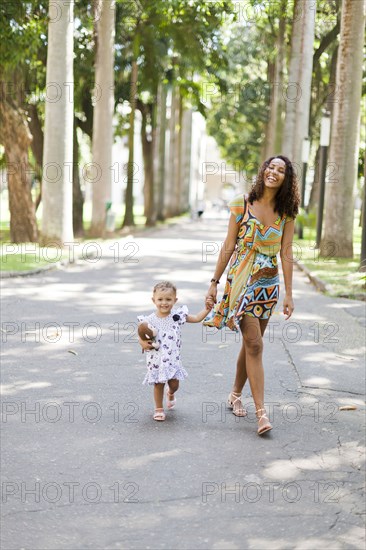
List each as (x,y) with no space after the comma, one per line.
(58,135)
(299,86)
(344,143)
(103,113)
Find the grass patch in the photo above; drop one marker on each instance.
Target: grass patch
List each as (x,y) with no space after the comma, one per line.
(28,256)
(341,275)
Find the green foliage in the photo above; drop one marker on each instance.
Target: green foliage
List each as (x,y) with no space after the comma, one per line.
(306,219)
(238,112)
(23,27)
(178,41)
(238,119)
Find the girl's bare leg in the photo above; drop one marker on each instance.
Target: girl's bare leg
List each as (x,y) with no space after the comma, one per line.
(158,395)
(173,386)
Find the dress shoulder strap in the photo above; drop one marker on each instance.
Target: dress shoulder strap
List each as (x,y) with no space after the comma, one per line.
(245,202)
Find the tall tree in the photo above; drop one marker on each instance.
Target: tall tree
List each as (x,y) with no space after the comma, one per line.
(272,144)
(162,99)
(296,126)
(344,143)
(129,215)
(22,27)
(59,117)
(148,142)
(16,139)
(103,112)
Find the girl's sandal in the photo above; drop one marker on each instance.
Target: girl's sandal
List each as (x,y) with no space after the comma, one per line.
(231,403)
(266,425)
(170,403)
(159,415)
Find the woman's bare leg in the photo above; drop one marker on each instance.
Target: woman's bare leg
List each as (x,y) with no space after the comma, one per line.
(253,330)
(241,375)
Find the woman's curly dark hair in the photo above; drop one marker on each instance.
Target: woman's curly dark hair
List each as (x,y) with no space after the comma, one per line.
(287,199)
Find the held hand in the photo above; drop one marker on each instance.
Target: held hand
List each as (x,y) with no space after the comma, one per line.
(212,293)
(288,306)
(209,302)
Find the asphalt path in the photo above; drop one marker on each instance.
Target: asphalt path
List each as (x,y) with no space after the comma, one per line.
(84,465)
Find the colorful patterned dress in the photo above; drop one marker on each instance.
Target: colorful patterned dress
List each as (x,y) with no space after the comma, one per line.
(252,285)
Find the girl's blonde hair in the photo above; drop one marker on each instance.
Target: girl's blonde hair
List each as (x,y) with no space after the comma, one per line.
(165,285)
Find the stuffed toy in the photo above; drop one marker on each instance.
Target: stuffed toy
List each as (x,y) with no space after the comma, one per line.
(148,332)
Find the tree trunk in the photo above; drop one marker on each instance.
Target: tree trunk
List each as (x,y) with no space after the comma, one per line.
(186,158)
(314,193)
(178,153)
(147,151)
(103,114)
(171,176)
(58,135)
(161,155)
(16,138)
(363,225)
(77,196)
(344,144)
(275,125)
(35,127)
(129,217)
(299,85)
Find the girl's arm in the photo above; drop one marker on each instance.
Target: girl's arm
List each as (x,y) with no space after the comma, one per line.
(224,255)
(199,316)
(287,262)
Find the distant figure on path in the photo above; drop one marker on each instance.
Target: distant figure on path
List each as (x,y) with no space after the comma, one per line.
(164,364)
(261,224)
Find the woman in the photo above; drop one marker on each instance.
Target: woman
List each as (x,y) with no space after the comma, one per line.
(260,225)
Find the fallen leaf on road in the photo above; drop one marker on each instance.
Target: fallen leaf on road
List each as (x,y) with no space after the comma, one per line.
(348,408)
(72,351)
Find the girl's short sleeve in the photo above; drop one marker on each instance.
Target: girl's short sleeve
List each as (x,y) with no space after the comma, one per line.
(236,206)
(180,315)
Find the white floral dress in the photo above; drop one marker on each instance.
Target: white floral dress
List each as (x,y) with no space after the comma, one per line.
(165,363)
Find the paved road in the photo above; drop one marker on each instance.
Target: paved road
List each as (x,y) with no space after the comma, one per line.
(84,466)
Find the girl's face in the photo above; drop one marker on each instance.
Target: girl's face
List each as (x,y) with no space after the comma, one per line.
(274,174)
(164,301)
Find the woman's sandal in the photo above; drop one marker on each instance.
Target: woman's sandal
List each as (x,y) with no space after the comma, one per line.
(267,425)
(170,403)
(159,415)
(238,411)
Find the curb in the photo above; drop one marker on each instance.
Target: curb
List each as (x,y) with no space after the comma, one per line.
(323,287)
(124,233)
(13,274)
(318,283)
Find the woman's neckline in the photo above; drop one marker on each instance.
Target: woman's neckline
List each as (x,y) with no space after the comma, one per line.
(275,222)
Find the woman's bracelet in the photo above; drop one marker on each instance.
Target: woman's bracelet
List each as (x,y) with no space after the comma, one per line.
(216,281)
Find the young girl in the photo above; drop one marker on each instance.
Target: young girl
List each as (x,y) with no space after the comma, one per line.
(164,364)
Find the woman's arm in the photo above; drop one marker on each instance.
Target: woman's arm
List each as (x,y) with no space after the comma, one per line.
(287,262)
(224,255)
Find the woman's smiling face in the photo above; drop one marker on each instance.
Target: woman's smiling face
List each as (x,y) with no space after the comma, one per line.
(275,173)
